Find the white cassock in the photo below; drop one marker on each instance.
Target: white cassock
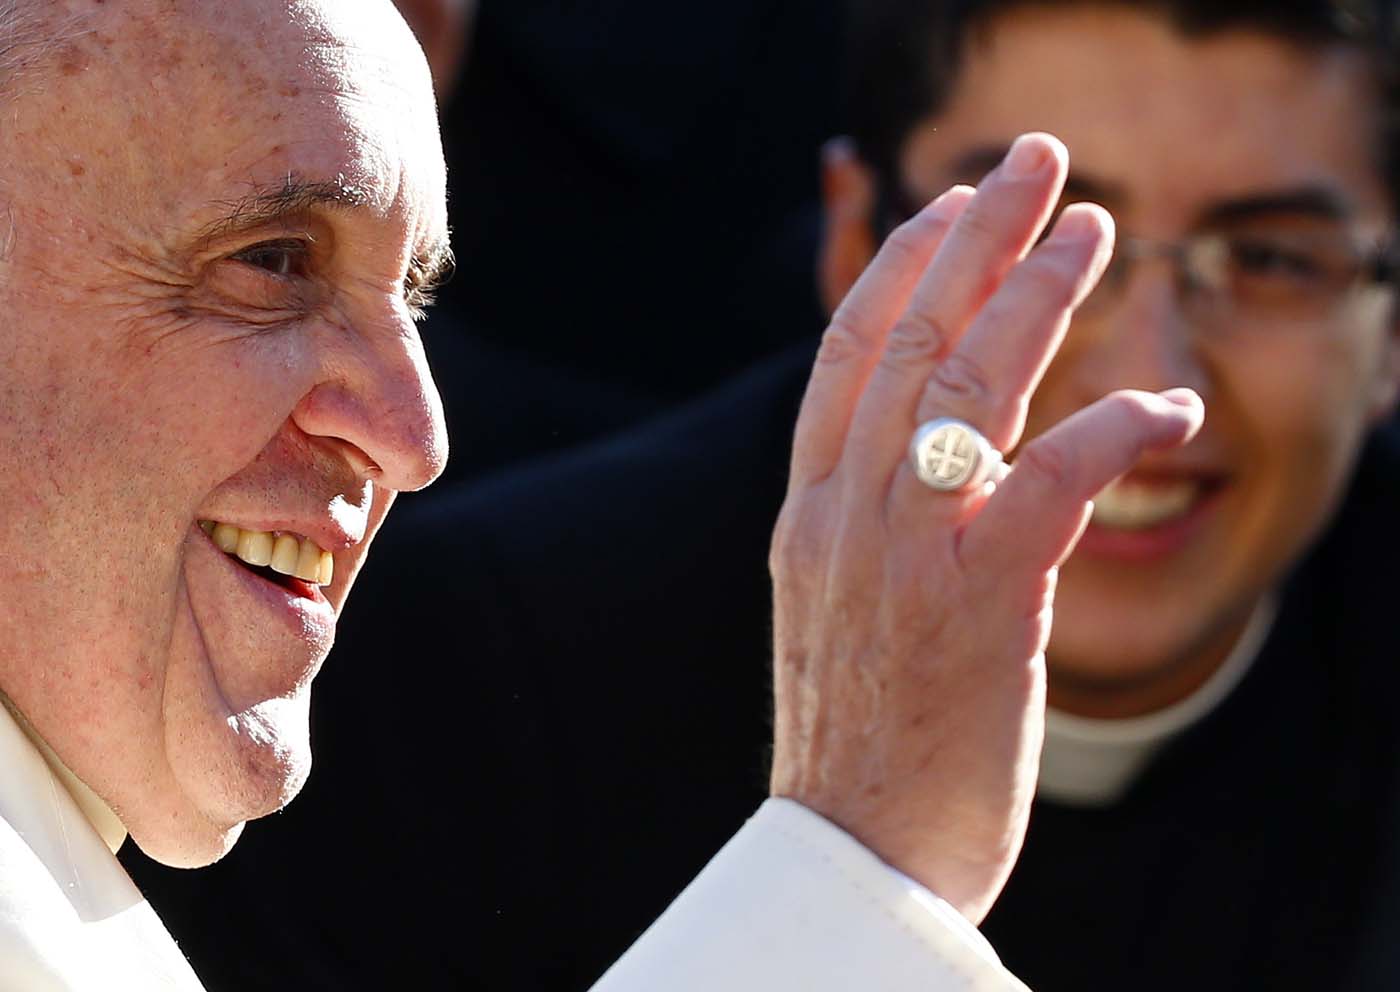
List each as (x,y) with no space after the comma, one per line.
(70,918)
(791,902)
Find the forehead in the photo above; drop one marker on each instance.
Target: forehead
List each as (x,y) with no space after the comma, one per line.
(163,106)
(1173,124)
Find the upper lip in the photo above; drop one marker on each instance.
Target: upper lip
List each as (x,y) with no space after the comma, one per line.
(1150,470)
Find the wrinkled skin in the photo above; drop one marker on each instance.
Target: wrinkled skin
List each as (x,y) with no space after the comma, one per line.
(156,371)
(911,625)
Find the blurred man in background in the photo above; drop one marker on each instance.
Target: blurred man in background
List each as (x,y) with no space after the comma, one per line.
(1219,717)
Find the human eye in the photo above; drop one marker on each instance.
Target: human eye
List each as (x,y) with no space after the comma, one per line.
(266,278)
(1259,257)
(283,258)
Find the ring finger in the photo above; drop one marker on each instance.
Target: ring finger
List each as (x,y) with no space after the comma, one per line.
(993,234)
(988,379)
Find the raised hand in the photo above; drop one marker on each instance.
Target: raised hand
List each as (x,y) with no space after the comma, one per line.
(911,624)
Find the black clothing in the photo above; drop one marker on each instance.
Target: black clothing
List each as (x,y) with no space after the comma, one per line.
(549,705)
(635,211)
(1258,851)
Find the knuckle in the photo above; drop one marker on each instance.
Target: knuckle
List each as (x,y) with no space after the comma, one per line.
(962,378)
(840,343)
(917,339)
(1045,277)
(796,550)
(1052,463)
(911,239)
(979,220)
(1130,406)
(780,550)
(1129,401)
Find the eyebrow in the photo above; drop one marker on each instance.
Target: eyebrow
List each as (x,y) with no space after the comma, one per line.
(979,161)
(1317,201)
(264,206)
(294,196)
(1305,201)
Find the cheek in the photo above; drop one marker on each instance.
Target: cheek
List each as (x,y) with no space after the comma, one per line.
(108,456)
(206,417)
(1296,414)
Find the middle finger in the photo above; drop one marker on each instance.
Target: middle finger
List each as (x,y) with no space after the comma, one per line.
(993,233)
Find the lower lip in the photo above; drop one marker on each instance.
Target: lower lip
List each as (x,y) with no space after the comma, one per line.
(1150,543)
(307,612)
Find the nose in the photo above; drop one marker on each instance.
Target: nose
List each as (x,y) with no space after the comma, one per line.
(377,398)
(1141,340)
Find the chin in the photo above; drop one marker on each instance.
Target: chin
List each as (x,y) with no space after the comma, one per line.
(1105,674)
(194,847)
(244,767)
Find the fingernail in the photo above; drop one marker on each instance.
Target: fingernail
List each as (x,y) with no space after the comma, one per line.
(950,202)
(1026,157)
(1182,396)
(1077,225)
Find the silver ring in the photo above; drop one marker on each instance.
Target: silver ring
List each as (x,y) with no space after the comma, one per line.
(950,455)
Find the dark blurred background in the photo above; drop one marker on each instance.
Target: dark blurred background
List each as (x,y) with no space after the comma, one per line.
(634,207)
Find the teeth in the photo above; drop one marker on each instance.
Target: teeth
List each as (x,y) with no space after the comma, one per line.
(308,564)
(1126,505)
(255,547)
(285,553)
(226,537)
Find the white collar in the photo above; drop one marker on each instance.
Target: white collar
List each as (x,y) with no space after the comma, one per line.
(70,918)
(94,810)
(1092,762)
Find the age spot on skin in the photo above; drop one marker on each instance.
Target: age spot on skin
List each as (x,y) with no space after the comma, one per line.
(73,61)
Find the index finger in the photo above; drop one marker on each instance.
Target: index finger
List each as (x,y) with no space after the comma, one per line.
(853,341)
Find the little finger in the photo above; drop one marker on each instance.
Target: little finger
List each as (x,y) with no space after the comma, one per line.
(1032,521)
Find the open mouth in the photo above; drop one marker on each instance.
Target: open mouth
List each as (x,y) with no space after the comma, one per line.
(1138,503)
(289,560)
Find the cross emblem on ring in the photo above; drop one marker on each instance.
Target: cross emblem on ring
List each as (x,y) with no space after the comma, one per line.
(950,455)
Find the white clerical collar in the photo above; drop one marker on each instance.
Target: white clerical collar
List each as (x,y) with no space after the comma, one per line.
(1091,762)
(94,810)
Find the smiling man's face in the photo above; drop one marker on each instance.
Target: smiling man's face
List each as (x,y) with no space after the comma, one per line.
(1254,143)
(215,218)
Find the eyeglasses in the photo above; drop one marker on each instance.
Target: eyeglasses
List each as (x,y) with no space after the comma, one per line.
(1252,272)
(1270,276)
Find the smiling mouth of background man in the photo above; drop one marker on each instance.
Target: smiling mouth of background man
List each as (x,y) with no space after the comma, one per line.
(1147,515)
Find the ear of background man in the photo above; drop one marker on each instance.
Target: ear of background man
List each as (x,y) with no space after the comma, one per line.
(848,221)
(443,28)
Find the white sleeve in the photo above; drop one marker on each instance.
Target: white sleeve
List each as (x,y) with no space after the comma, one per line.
(793,902)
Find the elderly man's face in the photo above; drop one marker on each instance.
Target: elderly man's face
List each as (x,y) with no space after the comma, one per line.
(215,217)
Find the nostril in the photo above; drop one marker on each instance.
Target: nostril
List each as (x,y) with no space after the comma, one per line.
(361,464)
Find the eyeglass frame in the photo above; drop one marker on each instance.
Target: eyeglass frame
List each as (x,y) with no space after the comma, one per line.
(1378,264)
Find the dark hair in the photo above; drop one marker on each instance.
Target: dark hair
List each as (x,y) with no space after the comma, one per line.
(905,55)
